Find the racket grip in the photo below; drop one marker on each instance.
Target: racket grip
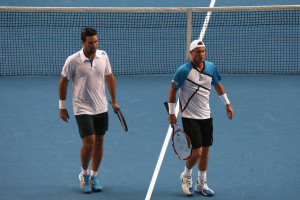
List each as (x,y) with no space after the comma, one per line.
(115,110)
(166,106)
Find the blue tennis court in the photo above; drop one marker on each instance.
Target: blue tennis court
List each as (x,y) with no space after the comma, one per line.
(255,156)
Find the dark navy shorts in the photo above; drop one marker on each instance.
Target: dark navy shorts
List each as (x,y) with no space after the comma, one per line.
(92,124)
(200,131)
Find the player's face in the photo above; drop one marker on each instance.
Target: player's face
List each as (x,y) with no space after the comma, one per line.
(198,54)
(90,45)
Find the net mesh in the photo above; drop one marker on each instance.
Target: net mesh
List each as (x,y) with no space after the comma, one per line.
(258,42)
(36,42)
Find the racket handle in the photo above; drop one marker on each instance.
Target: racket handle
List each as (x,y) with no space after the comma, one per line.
(115,110)
(167,106)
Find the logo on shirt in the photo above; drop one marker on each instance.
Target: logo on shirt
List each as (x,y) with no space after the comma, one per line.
(200,76)
(174,82)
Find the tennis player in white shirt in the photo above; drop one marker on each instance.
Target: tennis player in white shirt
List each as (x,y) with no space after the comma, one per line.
(89,70)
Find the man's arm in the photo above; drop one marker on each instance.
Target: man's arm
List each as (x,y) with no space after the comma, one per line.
(221,92)
(111,86)
(172,98)
(62,93)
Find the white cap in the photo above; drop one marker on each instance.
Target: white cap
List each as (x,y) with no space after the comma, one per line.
(195,44)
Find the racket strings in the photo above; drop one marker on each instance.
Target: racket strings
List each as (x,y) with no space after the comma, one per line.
(181,145)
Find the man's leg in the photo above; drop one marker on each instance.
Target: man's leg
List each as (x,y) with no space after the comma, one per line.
(97,152)
(87,151)
(96,161)
(186,176)
(85,155)
(202,163)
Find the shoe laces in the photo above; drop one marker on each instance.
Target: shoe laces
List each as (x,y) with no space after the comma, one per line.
(205,186)
(86,179)
(188,181)
(94,180)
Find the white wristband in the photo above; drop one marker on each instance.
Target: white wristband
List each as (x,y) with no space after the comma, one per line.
(171,108)
(224,98)
(62,104)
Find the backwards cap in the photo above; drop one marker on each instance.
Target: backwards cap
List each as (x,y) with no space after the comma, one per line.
(195,44)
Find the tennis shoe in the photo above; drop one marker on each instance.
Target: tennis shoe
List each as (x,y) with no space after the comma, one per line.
(204,189)
(85,183)
(96,186)
(187,184)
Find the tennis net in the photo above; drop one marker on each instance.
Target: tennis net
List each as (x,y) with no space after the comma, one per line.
(239,40)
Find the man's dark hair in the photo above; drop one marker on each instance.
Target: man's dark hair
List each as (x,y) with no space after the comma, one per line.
(87,32)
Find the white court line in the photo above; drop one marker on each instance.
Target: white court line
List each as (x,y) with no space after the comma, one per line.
(169,133)
(205,24)
(161,157)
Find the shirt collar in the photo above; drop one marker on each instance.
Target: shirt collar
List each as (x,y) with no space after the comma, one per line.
(84,58)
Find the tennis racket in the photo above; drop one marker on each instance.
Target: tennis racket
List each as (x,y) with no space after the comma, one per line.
(181,142)
(121,118)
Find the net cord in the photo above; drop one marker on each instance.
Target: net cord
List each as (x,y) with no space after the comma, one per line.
(148,9)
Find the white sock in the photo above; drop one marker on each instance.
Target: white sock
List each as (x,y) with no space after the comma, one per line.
(187,172)
(83,171)
(201,176)
(93,173)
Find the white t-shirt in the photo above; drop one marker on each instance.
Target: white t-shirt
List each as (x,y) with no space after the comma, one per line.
(88,81)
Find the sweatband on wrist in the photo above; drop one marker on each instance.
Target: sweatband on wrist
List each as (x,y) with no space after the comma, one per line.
(171,108)
(224,98)
(62,104)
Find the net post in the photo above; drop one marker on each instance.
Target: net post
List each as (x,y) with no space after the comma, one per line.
(188,33)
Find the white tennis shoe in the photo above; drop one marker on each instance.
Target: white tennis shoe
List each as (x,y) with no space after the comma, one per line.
(187,184)
(204,189)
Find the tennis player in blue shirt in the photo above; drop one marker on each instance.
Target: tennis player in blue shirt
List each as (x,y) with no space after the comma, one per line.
(194,80)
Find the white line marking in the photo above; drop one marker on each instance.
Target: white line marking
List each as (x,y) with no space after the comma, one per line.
(205,24)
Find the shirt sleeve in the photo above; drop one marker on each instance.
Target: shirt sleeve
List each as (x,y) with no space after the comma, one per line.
(108,66)
(216,76)
(180,75)
(67,70)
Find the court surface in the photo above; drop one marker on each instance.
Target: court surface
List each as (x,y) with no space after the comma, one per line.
(255,156)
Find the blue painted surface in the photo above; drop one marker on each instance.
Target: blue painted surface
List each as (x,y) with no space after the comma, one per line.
(257,151)
(255,156)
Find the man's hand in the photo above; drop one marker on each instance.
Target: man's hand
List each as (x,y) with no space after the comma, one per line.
(114,105)
(64,115)
(172,119)
(229,111)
